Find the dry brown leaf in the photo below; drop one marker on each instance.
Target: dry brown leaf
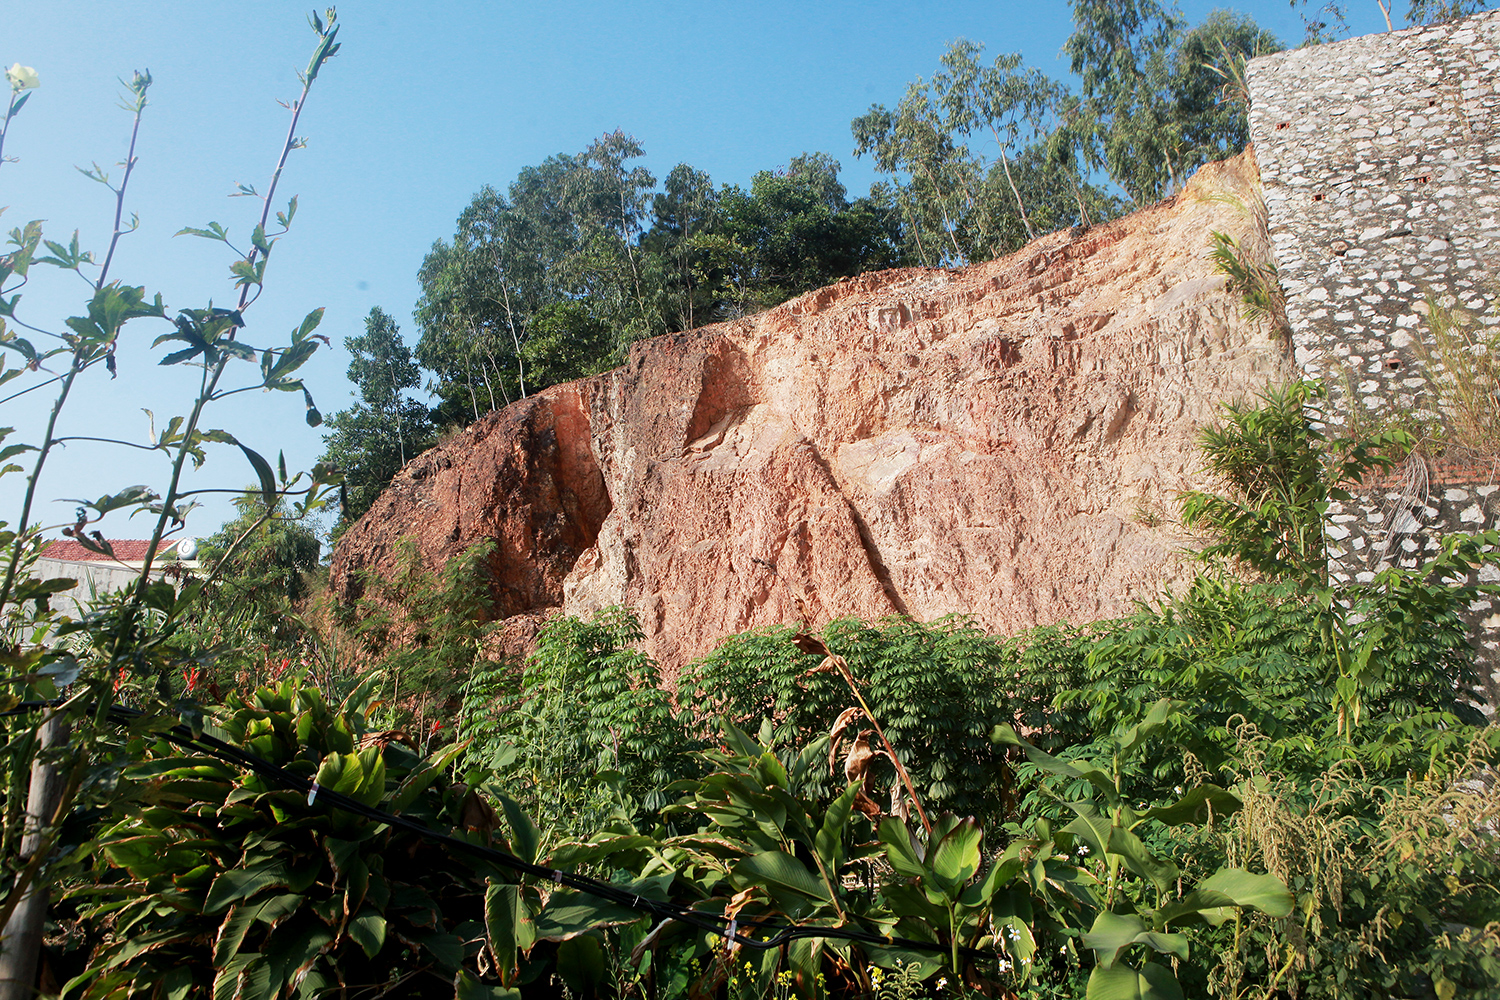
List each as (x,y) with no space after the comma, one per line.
(479,815)
(738,903)
(836,734)
(857,763)
(900,805)
(385,738)
(866,805)
(809,643)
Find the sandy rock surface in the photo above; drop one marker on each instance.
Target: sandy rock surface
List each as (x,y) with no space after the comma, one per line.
(1003,441)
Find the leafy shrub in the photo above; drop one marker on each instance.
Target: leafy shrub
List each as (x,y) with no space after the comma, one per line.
(935,689)
(218,879)
(585,730)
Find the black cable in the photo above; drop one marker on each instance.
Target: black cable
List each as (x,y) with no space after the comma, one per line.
(729,928)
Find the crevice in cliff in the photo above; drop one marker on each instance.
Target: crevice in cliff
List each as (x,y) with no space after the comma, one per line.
(866,540)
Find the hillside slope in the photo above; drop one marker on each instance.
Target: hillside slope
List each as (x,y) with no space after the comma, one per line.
(1002,441)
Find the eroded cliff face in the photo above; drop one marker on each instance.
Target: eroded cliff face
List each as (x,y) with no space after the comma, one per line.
(1003,441)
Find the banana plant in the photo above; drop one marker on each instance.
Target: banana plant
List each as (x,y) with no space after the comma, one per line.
(1137,915)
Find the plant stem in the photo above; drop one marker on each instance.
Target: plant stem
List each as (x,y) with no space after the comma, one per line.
(844,671)
(265,211)
(114,239)
(10,111)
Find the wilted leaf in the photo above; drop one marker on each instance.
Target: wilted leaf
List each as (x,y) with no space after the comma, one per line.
(836,734)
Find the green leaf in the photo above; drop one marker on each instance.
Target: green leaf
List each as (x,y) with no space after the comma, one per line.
(310,323)
(1113,933)
(956,857)
(1140,860)
(1065,769)
(290,359)
(368,931)
(1151,982)
(1155,718)
(263,471)
(581,962)
(508,925)
(569,913)
(466,987)
(213,232)
(829,842)
(239,883)
(1196,806)
(899,849)
(1231,887)
(525,838)
(314,418)
(779,869)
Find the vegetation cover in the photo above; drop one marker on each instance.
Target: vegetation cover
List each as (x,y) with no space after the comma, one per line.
(1269,785)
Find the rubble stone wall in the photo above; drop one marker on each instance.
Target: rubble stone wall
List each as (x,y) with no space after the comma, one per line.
(1380,169)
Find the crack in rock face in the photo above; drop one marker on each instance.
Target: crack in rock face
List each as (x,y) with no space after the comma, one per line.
(919,442)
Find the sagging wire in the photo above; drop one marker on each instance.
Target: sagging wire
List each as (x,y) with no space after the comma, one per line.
(730,929)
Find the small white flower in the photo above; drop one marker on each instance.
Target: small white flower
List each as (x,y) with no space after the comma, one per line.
(942,982)
(1083,850)
(1177,789)
(22,77)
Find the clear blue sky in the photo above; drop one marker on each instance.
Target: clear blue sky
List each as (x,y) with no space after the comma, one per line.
(425,104)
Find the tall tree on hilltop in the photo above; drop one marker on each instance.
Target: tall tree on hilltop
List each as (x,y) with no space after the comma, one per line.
(685,211)
(1154,105)
(569,231)
(954,205)
(371,440)
(796,230)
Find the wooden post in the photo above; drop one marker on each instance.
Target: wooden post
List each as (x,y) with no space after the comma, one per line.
(21,944)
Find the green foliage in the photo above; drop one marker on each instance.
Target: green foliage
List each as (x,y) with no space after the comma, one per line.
(565,343)
(1254,281)
(570,230)
(1462,367)
(955,206)
(585,731)
(794,231)
(370,441)
(1153,107)
(217,879)
(424,630)
(1278,472)
(258,565)
(930,687)
(130,644)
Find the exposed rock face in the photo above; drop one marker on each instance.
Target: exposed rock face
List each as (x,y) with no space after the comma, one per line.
(998,441)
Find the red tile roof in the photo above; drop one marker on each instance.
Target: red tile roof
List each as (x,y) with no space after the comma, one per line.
(126,550)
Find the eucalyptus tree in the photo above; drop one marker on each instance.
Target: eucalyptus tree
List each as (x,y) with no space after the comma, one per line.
(1159,101)
(956,205)
(683,213)
(569,231)
(934,176)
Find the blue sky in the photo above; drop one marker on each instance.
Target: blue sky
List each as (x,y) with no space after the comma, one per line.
(425,104)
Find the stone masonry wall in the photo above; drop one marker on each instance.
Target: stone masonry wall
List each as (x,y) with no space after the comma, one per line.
(1380,167)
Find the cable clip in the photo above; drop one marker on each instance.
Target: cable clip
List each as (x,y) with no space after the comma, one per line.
(312,793)
(557,875)
(734,925)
